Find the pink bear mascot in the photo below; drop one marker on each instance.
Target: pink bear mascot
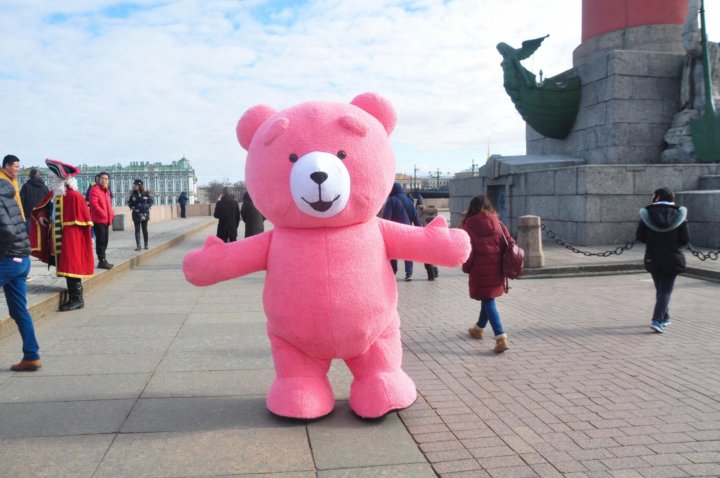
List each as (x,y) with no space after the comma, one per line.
(320,172)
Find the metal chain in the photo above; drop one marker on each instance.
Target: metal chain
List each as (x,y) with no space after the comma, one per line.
(712,255)
(617,251)
(703,256)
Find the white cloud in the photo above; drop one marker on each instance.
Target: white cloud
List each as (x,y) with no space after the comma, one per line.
(99,82)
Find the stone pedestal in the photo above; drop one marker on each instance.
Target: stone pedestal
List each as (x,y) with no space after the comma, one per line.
(529,238)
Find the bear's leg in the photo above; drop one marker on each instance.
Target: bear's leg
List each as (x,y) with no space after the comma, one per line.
(380,385)
(301,388)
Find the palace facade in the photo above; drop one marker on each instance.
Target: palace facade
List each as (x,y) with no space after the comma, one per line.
(165,181)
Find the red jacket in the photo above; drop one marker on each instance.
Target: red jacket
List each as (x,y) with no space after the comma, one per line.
(101,210)
(486,280)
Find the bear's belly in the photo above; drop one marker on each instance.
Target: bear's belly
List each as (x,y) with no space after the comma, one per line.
(330,292)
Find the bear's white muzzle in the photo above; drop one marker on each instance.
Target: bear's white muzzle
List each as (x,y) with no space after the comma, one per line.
(320,184)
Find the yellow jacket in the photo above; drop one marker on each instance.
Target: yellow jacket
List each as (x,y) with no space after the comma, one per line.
(4,175)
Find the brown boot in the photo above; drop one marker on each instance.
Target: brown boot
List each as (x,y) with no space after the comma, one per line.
(501,344)
(26,366)
(475,332)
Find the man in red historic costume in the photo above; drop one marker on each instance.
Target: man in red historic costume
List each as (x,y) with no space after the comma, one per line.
(60,232)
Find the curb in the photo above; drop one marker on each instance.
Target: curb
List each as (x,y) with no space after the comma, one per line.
(583,270)
(703,274)
(49,305)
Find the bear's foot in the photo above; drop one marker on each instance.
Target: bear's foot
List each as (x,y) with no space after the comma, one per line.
(378,395)
(300,397)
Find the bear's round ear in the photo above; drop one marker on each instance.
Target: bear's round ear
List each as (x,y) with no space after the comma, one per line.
(250,122)
(378,107)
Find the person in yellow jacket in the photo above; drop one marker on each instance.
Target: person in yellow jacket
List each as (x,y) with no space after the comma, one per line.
(9,172)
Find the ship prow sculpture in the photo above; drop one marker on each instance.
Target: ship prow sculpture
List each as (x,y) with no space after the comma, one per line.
(550,106)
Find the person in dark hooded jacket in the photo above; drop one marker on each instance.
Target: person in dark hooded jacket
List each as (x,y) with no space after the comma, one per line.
(31,193)
(486,280)
(663,228)
(254,220)
(227,211)
(400,208)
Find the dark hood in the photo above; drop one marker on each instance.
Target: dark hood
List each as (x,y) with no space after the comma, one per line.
(6,189)
(482,224)
(397,190)
(663,217)
(36,183)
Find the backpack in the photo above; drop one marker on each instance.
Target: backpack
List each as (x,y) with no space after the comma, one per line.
(512,261)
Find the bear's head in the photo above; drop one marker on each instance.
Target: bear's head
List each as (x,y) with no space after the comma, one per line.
(319,164)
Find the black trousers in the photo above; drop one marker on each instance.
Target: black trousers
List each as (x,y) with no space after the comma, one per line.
(138,226)
(101,240)
(182,210)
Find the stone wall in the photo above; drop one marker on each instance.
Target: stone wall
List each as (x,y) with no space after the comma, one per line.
(628,102)
(597,204)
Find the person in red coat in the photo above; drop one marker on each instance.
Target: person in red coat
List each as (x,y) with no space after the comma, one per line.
(484,266)
(60,232)
(102,214)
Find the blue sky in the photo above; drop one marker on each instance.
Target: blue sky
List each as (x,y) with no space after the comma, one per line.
(104,82)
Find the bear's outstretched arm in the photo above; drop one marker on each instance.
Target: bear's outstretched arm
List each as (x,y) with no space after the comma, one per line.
(434,244)
(218,261)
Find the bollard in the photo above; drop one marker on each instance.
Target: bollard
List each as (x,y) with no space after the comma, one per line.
(118,223)
(530,240)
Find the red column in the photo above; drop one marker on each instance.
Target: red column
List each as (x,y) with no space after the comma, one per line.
(602,16)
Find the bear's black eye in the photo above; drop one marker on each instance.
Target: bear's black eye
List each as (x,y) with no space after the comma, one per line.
(341,154)
(293,157)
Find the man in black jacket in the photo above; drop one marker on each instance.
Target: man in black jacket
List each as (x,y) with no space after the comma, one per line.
(663,228)
(14,269)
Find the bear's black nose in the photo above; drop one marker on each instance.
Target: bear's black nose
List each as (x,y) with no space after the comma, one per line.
(319,177)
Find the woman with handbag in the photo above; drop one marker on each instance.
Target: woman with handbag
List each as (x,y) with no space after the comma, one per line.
(140,202)
(489,238)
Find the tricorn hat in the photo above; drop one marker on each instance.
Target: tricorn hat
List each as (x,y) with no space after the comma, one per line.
(60,169)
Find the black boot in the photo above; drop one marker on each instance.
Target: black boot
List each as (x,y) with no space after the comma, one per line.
(75,292)
(104,264)
(138,247)
(430,272)
(436,271)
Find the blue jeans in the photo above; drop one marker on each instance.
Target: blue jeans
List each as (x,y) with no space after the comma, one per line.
(489,313)
(12,278)
(408,267)
(663,291)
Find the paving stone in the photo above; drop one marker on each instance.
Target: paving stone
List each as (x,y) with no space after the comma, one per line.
(391,471)
(201,413)
(38,419)
(48,388)
(336,440)
(208,453)
(209,383)
(65,456)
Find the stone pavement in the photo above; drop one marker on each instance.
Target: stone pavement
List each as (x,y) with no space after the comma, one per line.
(158,378)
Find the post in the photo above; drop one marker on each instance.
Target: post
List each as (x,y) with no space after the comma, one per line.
(530,240)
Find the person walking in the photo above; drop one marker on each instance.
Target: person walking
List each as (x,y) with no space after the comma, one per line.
(484,266)
(60,235)
(227,211)
(182,201)
(31,193)
(140,202)
(663,228)
(400,208)
(102,214)
(253,219)
(14,269)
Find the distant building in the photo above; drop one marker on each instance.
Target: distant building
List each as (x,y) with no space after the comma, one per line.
(166,181)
